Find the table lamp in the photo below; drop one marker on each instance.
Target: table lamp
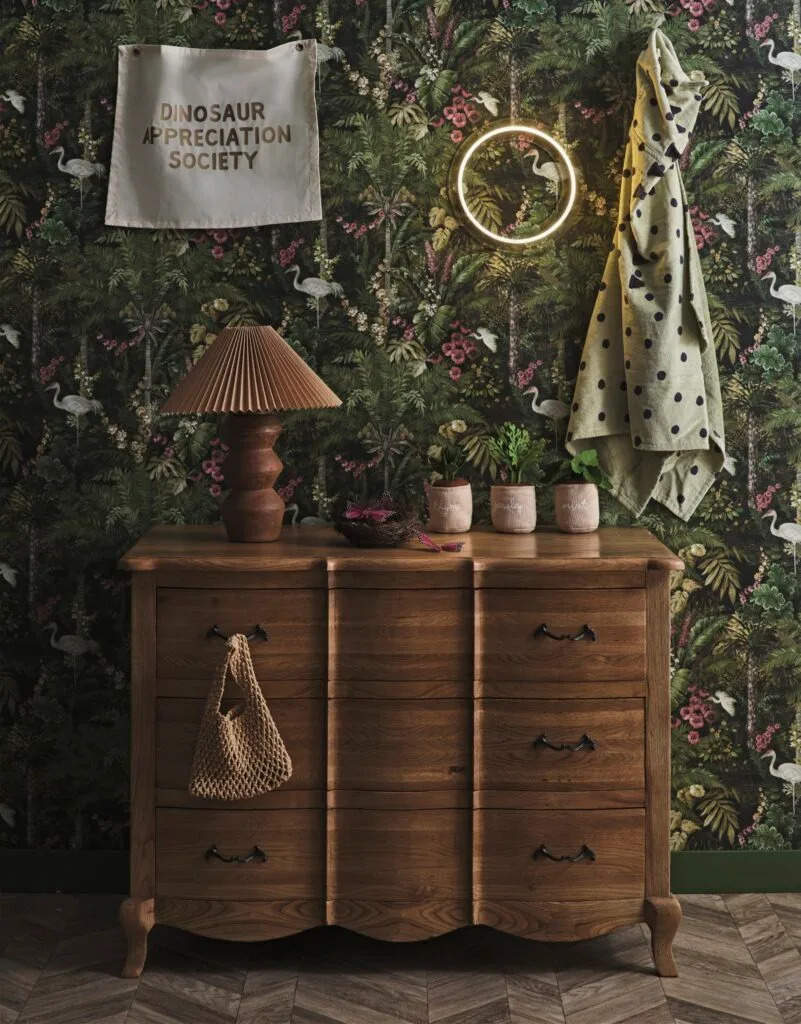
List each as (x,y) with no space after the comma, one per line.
(250,373)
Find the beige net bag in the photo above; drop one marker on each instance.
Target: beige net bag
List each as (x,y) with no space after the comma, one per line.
(239,753)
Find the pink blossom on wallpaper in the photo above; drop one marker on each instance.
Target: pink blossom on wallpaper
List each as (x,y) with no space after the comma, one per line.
(765,499)
(218,252)
(762,28)
(764,261)
(287,492)
(215,490)
(763,740)
(454,373)
(456,136)
(220,18)
(693,737)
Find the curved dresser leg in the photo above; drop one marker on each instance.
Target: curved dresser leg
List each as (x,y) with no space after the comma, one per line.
(137,917)
(663,916)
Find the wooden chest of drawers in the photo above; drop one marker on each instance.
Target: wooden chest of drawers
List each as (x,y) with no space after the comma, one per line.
(479,737)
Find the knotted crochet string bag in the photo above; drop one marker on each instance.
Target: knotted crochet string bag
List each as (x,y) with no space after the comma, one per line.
(239,753)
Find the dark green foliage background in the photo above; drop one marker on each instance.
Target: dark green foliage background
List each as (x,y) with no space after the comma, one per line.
(117,316)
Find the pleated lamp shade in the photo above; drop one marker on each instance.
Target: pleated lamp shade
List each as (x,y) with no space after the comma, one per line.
(250,373)
(250,370)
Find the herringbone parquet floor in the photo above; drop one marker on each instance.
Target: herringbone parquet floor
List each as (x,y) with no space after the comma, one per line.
(739,957)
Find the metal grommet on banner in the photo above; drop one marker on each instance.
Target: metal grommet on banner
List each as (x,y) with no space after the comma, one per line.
(136,51)
(298,46)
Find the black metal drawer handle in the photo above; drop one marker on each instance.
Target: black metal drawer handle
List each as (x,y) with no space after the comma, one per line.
(585,743)
(255,854)
(585,853)
(586,631)
(257,631)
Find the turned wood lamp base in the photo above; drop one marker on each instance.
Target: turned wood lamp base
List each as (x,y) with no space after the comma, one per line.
(253,512)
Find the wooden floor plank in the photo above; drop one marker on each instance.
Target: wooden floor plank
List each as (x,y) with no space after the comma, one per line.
(718,979)
(773,950)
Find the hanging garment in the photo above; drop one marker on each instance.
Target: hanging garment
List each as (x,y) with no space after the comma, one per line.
(647,395)
(239,753)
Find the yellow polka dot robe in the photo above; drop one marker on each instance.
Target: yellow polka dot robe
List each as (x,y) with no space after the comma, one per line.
(648,395)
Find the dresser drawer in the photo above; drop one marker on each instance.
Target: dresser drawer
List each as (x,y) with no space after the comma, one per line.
(295,620)
(402,635)
(400,744)
(507,841)
(301,724)
(516,630)
(603,745)
(292,840)
(399,855)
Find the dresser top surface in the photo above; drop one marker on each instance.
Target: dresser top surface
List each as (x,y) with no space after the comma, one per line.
(311,547)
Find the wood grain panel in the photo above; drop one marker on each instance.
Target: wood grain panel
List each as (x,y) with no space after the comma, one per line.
(400,744)
(286,579)
(402,689)
(511,689)
(401,635)
(295,621)
(301,724)
(657,736)
(507,758)
(504,868)
(273,688)
(507,621)
(241,920)
(412,800)
(543,800)
(528,577)
(446,576)
(559,921)
(400,922)
(294,842)
(206,548)
(143,737)
(399,855)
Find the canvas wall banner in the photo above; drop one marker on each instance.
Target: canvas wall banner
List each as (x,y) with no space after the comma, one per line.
(215,138)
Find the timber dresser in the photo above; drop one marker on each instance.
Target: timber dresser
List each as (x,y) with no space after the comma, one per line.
(481,737)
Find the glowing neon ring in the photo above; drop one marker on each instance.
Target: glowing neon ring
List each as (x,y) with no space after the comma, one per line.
(549,143)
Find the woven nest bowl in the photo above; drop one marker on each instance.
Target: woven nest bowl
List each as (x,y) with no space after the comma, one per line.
(390,534)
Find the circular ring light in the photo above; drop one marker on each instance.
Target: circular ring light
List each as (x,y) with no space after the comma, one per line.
(567,175)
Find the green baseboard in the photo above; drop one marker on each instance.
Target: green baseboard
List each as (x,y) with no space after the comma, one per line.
(735,871)
(106,871)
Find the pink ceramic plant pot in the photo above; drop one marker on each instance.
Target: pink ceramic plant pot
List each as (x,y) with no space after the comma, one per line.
(577,509)
(450,506)
(513,508)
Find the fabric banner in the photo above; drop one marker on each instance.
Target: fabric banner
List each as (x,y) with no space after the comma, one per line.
(215,138)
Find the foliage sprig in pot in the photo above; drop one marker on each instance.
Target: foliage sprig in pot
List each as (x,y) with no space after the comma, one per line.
(450,497)
(514,504)
(576,500)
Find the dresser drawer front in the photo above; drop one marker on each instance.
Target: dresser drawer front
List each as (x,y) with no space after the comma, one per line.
(295,620)
(400,744)
(506,841)
(602,741)
(402,635)
(301,724)
(517,630)
(399,855)
(292,840)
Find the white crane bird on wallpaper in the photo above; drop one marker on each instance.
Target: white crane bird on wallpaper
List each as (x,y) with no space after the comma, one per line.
(16,99)
(486,99)
(726,701)
(787,772)
(488,338)
(725,223)
(787,293)
(785,59)
(11,334)
(75,405)
(8,574)
(548,170)
(76,168)
(550,408)
(315,287)
(791,532)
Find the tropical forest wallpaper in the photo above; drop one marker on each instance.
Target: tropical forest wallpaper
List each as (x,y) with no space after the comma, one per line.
(433,340)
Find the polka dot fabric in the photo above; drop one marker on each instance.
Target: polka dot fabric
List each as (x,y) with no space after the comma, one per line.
(648,395)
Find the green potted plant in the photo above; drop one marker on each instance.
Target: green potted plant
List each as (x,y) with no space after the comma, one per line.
(576,500)
(450,496)
(513,503)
